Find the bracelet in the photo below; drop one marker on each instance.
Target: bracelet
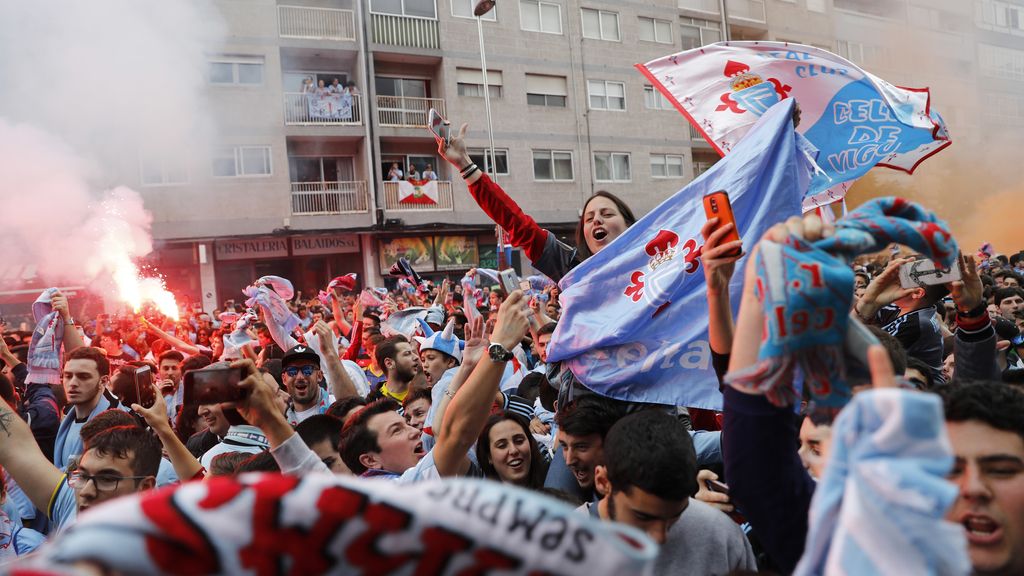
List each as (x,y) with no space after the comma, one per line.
(467,166)
(470,173)
(973,312)
(469,170)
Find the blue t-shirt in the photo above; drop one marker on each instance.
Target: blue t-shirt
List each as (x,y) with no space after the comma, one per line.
(63,508)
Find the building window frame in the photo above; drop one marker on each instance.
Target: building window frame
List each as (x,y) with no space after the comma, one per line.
(552,158)
(613,168)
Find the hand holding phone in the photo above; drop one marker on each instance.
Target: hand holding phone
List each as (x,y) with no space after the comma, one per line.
(510,282)
(921,273)
(716,205)
(441,128)
(145,396)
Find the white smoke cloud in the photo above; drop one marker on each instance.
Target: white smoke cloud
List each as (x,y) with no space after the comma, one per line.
(87,85)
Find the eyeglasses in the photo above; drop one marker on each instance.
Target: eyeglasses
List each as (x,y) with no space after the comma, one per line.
(103,482)
(292,371)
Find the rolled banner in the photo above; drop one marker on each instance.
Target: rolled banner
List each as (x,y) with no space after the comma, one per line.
(318,524)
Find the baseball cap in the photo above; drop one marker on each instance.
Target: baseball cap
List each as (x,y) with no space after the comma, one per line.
(300,352)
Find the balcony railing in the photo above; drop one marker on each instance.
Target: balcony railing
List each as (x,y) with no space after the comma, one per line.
(310,198)
(393,198)
(316,23)
(317,110)
(405,31)
(752,10)
(403,112)
(709,6)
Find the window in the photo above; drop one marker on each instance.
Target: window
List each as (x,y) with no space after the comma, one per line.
(418,8)
(552,165)
(464,9)
(666,166)
(162,170)
(242,161)
(482,158)
(321,169)
(655,100)
(702,162)
(1001,62)
(606,95)
(654,30)
(471,82)
(536,16)
(611,167)
(862,54)
(236,70)
(1001,15)
(696,32)
(600,24)
(544,90)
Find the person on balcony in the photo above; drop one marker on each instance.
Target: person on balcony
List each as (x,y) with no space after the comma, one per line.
(335,87)
(412,174)
(307,85)
(428,173)
(395,174)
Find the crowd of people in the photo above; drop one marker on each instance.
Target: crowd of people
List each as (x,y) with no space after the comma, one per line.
(433,381)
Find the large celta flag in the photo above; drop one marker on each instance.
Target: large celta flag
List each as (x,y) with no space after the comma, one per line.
(856,120)
(634,324)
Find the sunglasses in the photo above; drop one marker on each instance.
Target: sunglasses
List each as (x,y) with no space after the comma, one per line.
(306,370)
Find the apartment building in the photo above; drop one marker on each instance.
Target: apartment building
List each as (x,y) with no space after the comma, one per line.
(298,185)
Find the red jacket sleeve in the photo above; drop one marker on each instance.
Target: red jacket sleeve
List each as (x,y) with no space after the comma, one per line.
(523,231)
(356,341)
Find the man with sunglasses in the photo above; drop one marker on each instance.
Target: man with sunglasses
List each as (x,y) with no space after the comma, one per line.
(301,374)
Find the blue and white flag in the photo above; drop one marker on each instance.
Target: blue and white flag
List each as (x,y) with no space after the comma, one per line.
(635,316)
(856,120)
(879,507)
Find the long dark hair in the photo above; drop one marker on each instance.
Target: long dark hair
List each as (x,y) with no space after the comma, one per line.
(582,250)
(538,464)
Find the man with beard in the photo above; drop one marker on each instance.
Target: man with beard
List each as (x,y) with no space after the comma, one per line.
(398,360)
(301,374)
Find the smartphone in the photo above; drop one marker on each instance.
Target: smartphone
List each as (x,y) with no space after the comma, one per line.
(921,273)
(144,394)
(213,386)
(716,205)
(716,486)
(441,128)
(510,282)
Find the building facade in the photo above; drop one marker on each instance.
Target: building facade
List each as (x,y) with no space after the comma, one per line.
(299,184)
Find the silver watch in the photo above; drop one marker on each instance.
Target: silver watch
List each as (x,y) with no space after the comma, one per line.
(498,353)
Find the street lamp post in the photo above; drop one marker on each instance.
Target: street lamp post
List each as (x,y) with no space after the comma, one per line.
(481,8)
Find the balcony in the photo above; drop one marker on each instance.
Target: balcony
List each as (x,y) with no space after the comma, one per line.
(405,31)
(313,198)
(750,10)
(331,110)
(308,23)
(393,199)
(403,112)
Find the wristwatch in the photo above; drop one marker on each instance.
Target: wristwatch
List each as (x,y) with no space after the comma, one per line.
(70,321)
(498,353)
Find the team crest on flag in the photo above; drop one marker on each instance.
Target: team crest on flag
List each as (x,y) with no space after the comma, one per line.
(853,119)
(417,192)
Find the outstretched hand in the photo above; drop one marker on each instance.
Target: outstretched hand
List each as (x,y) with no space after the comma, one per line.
(968,292)
(156,415)
(718,266)
(455,151)
(883,290)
